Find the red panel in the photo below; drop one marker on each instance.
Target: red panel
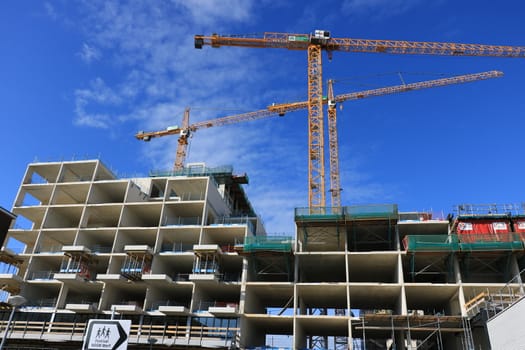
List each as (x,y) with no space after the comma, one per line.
(519,226)
(482,227)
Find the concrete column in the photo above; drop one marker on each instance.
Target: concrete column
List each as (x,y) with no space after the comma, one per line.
(461,297)
(457,269)
(400,278)
(515,271)
(402,302)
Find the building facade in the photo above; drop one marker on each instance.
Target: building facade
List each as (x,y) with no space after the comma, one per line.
(186,258)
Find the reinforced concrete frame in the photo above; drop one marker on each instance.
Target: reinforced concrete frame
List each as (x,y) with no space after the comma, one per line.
(344,281)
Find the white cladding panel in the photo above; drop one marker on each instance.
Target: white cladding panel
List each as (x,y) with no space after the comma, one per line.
(506,331)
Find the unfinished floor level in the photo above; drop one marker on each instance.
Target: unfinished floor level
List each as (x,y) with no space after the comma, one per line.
(185,257)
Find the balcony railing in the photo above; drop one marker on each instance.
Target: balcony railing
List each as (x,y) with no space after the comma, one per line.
(49,249)
(181,277)
(40,303)
(140,333)
(203,306)
(42,275)
(233,221)
(156,304)
(180,221)
(82,301)
(177,247)
(100,249)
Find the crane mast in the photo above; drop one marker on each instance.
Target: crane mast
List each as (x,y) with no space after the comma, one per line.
(316,180)
(183,141)
(335,182)
(322,40)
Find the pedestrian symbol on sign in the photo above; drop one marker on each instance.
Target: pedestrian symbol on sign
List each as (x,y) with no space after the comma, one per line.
(107,335)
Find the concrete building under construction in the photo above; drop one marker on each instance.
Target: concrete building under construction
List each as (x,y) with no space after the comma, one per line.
(186,258)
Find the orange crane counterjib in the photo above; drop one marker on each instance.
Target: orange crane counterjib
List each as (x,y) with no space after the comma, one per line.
(281,109)
(302,41)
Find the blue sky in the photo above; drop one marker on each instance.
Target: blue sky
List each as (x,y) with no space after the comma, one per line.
(80,78)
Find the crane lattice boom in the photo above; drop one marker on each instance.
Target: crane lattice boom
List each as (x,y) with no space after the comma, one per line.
(186,130)
(283,108)
(302,41)
(295,106)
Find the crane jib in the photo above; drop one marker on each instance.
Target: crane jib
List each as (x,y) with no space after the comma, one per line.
(302,41)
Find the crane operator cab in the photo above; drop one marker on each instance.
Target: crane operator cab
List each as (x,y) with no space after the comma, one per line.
(320,37)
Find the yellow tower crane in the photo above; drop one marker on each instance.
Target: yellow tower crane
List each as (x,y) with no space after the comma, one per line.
(185,130)
(321,40)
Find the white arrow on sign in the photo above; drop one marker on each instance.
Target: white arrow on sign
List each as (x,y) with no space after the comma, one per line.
(107,335)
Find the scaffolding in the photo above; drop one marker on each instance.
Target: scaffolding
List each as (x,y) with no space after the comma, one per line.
(487,256)
(475,210)
(373,234)
(494,302)
(270,257)
(430,267)
(383,331)
(362,227)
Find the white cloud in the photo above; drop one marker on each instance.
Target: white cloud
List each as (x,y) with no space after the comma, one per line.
(97,93)
(378,8)
(50,10)
(89,53)
(101,121)
(211,11)
(152,45)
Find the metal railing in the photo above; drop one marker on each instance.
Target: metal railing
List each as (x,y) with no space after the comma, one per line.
(180,221)
(42,275)
(203,306)
(156,304)
(231,221)
(495,302)
(82,301)
(40,303)
(164,334)
(100,249)
(49,249)
(180,277)
(489,209)
(177,247)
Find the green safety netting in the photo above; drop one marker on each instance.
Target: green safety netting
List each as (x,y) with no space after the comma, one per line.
(436,243)
(373,211)
(354,212)
(268,243)
(465,243)
(490,242)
